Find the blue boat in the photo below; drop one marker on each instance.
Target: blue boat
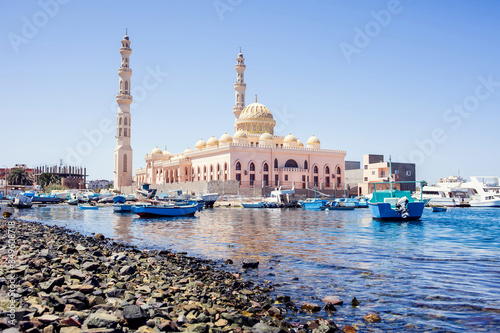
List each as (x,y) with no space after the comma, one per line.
(122,208)
(119,199)
(259,204)
(313,204)
(168,210)
(395,205)
(88,207)
(42,198)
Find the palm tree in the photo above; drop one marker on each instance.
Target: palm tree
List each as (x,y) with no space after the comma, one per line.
(45,179)
(19,176)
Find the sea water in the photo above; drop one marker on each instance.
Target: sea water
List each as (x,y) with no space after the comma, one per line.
(441,273)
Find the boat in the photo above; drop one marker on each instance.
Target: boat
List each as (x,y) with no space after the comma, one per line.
(42,198)
(22,201)
(88,207)
(210,199)
(313,204)
(122,208)
(119,199)
(394,204)
(257,204)
(437,209)
(485,191)
(145,193)
(335,205)
(166,210)
(447,192)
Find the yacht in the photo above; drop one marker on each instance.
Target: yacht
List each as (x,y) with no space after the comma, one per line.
(448,192)
(485,191)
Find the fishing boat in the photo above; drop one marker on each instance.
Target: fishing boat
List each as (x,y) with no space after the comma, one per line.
(334,205)
(42,198)
(394,204)
(257,204)
(313,204)
(119,199)
(88,207)
(209,199)
(122,208)
(166,210)
(437,209)
(22,201)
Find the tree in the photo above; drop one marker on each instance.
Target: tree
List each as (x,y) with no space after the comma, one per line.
(19,176)
(45,179)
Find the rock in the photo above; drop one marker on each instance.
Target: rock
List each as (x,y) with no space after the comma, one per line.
(332,300)
(348,329)
(330,307)
(76,273)
(145,329)
(168,326)
(221,323)
(70,322)
(134,314)
(71,329)
(325,329)
(354,302)
(372,318)
(252,264)
(79,247)
(48,318)
(283,298)
(45,254)
(84,288)
(198,328)
(229,262)
(99,237)
(102,320)
(264,328)
(115,292)
(48,329)
(311,307)
(49,285)
(127,270)
(90,266)
(95,300)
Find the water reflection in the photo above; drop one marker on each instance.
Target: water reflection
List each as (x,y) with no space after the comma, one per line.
(439,273)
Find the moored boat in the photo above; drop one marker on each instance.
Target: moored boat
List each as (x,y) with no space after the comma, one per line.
(88,207)
(258,204)
(313,204)
(122,208)
(437,209)
(166,210)
(22,201)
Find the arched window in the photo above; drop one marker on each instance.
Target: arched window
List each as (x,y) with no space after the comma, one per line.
(306,166)
(225,166)
(254,127)
(125,121)
(125,131)
(237,98)
(126,85)
(120,132)
(198,169)
(211,168)
(291,164)
(252,167)
(120,121)
(276,163)
(186,171)
(238,166)
(125,163)
(327,170)
(204,169)
(315,169)
(266,167)
(121,85)
(338,171)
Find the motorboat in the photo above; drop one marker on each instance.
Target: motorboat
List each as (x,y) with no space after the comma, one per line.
(166,210)
(22,201)
(210,199)
(485,191)
(313,204)
(145,193)
(448,192)
(42,198)
(88,207)
(257,204)
(122,208)
(119,199)
(393,204)
(437,209)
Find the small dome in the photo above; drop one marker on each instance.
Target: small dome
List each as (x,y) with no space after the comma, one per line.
(226,138)
(212,141)
(290,138)
(299,143)
(167,153)
(240,55)
(313,140)
(265,136)
(156,151)
(125,37)
(200,144)
(240,135)
(256,111)
(187,150)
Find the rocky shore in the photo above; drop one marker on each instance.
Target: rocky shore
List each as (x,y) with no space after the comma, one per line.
(56,280)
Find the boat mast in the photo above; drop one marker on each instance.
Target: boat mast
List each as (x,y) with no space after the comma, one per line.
(390,175)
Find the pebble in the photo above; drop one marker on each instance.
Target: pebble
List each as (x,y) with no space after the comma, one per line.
(372,318)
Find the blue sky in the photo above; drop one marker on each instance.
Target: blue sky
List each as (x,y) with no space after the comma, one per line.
(416,79)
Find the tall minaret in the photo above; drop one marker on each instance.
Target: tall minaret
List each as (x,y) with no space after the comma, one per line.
(240,86)
(123,151)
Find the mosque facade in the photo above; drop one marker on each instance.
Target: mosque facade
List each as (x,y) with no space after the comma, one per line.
(254,155)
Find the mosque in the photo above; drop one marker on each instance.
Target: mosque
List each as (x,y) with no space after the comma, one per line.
(254,156)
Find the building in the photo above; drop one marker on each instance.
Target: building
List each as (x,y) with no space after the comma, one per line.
(99,184)
(123,169)
(253,157)
(73,177)
(376,170)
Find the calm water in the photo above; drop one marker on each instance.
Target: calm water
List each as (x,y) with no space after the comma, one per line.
(441,273)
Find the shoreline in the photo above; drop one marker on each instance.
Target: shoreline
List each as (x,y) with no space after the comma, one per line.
(54,279)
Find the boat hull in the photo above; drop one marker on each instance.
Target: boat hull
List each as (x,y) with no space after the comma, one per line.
(313,205)
(488,203)
(166,210)
(82,207)
(122,208)
(253,204)
(384,211)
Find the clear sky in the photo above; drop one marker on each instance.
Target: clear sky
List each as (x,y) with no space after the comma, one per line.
(416,79)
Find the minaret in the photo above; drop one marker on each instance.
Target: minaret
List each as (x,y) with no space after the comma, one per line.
(240,86)
(123,151)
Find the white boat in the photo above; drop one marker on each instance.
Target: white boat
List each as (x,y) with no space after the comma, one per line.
(281,198)
(22,201)
(448,192)
(210,199)
(485,191)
